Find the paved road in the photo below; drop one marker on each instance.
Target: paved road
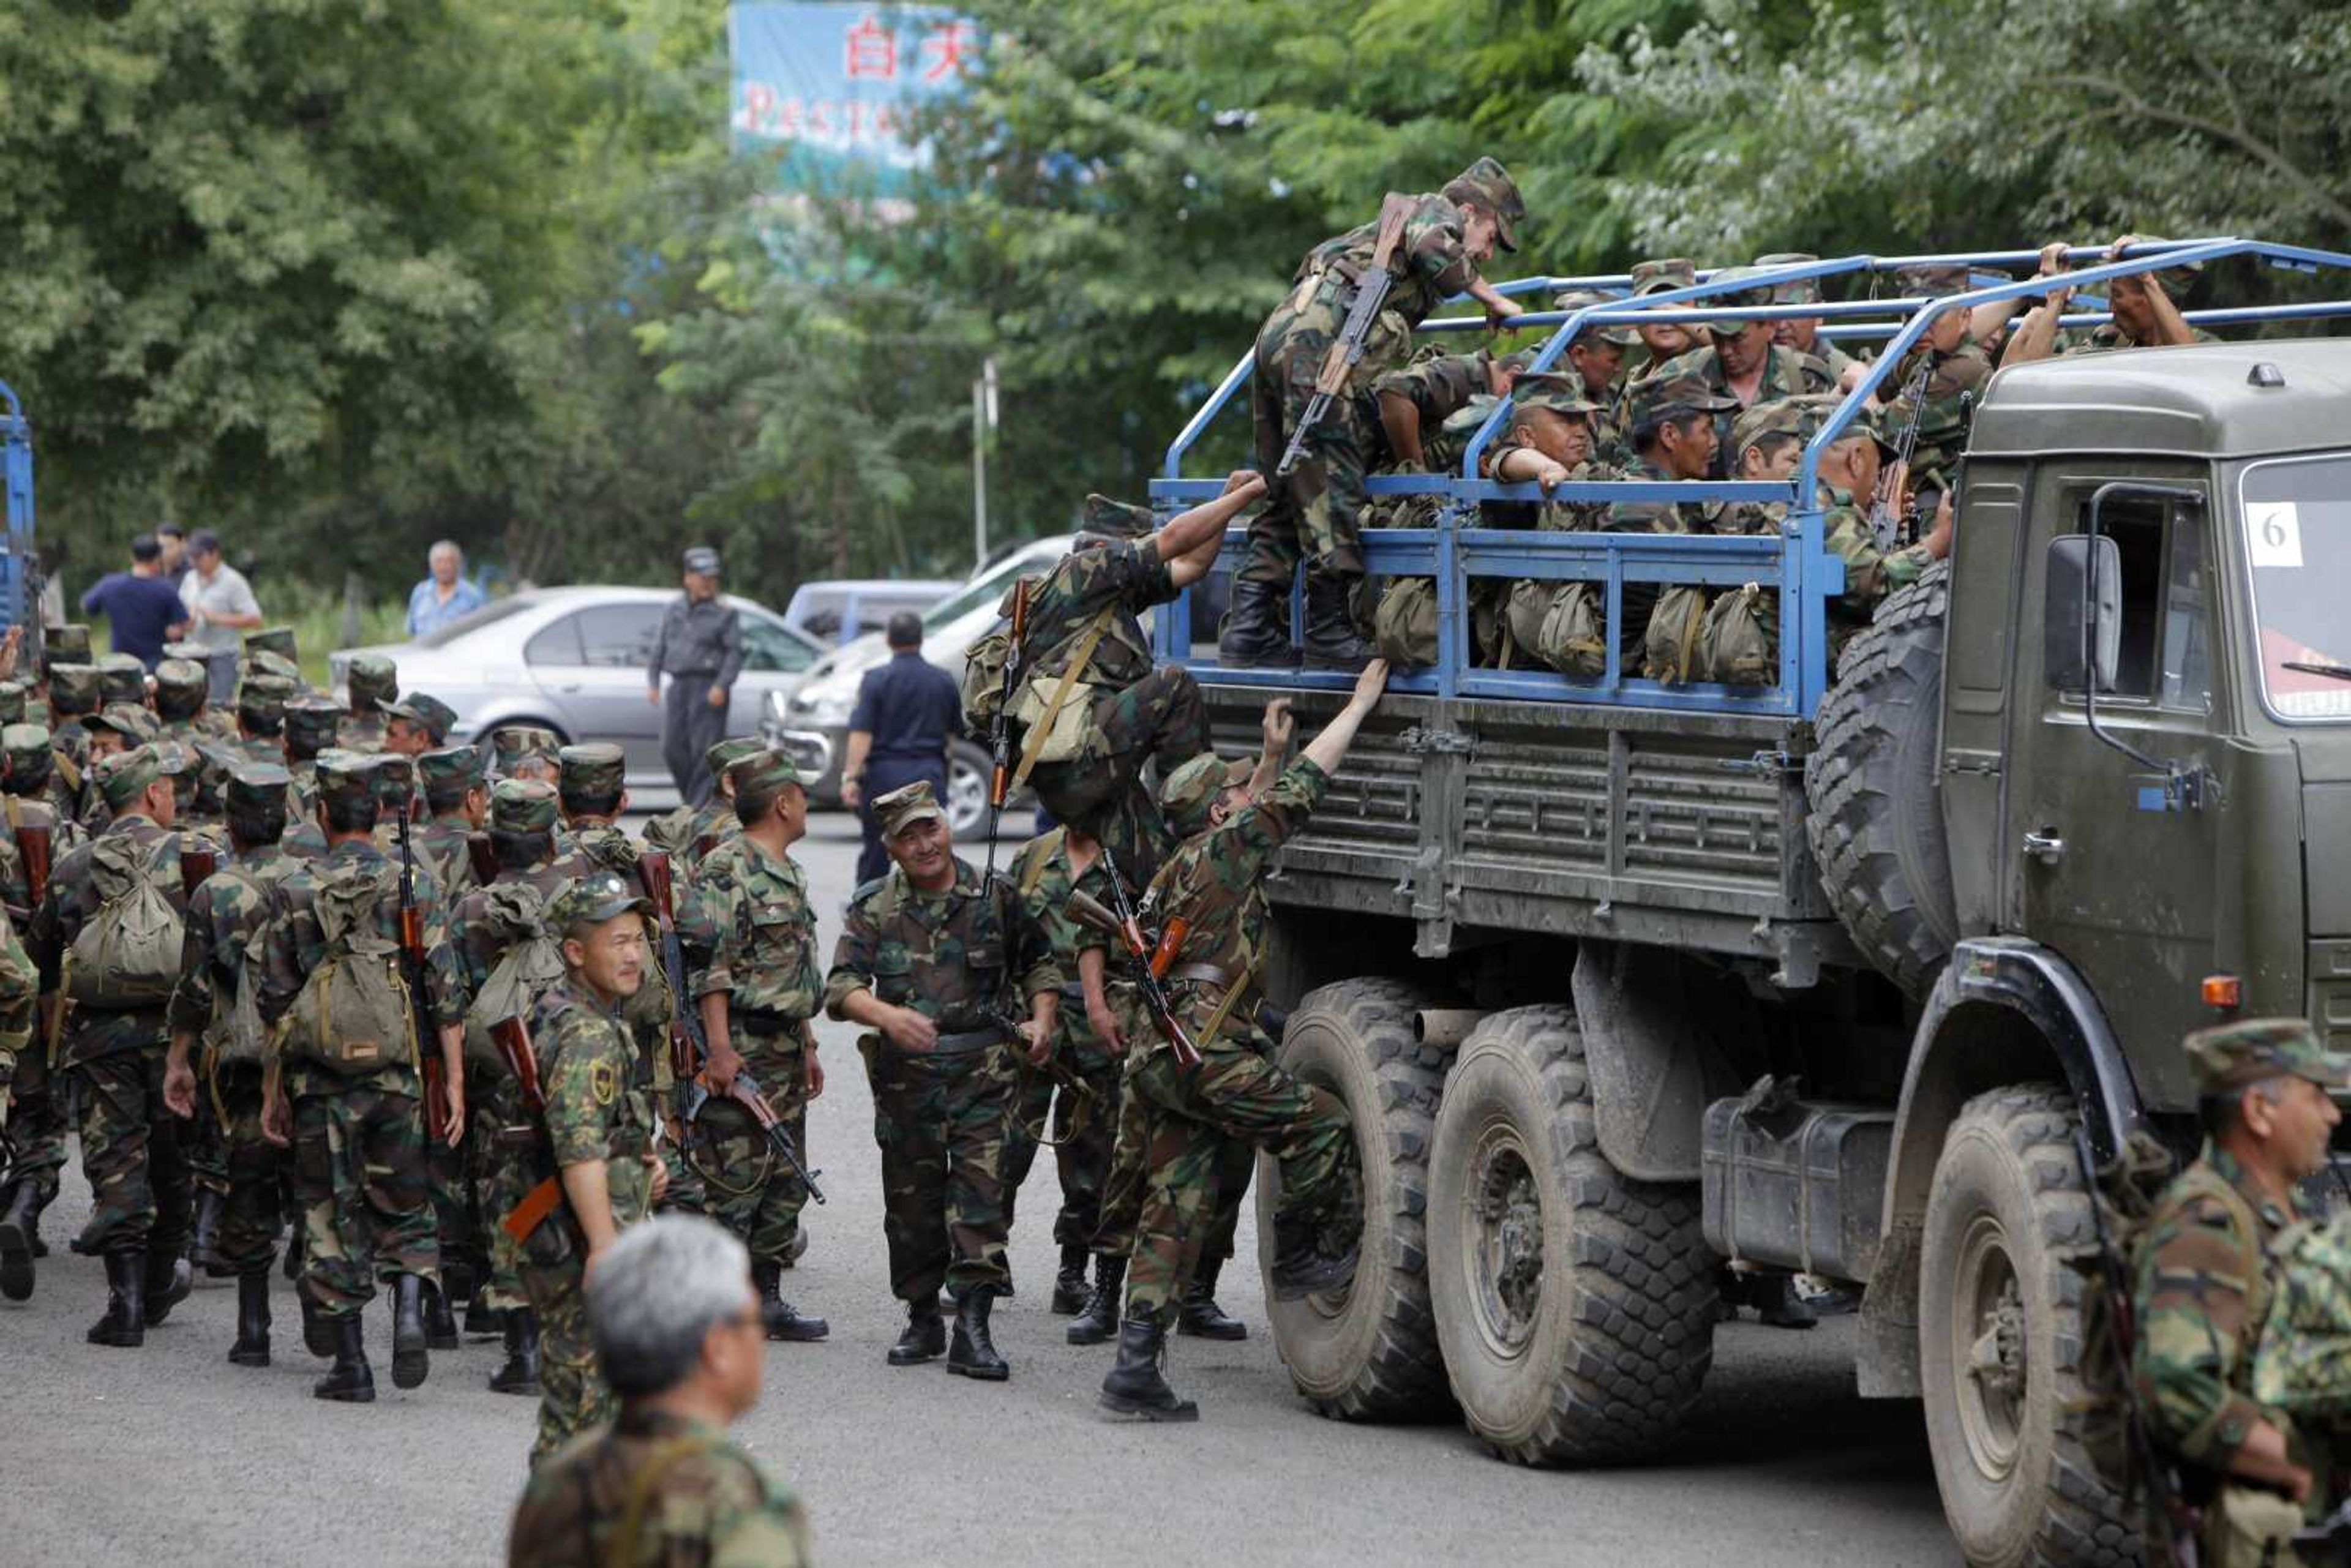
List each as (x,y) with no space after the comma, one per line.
(171,1454)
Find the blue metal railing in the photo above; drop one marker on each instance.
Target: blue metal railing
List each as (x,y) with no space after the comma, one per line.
(17,604)
(1795,565)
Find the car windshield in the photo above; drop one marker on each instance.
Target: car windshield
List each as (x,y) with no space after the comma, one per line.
(465,624)
(2297,518)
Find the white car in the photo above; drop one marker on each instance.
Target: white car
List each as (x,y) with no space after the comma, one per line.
(573,659)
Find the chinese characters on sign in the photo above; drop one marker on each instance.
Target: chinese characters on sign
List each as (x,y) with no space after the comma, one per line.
(834,85)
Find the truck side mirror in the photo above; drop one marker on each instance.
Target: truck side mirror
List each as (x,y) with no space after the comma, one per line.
(2082,616)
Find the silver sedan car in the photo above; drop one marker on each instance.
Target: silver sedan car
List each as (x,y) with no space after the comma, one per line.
(573,659)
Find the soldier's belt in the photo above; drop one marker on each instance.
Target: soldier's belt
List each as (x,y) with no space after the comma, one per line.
(968,1040)
(519,1137)
(763,1025)
(1074,991)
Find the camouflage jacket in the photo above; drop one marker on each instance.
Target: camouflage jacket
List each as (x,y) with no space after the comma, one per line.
(361,731)
(69,739)
(2105,339)
(301,791)
(1786,374)
(73,900)
(598,1107)
(1432,262)
(225,923)
(749,912)
(960,957)
(1953,382)
(713,1506)
(1216,882)
(441,842)
(1041,874)
(1870,573)
(691,832)
(20,993)
(1440,386)
(594,846)
(1124,576)
(2197,1297)
(305,840)
(293,945)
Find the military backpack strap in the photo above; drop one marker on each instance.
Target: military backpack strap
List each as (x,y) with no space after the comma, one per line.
(67,771)
(2204,1181)
(1042,730)
(16,809)
(1042,860)
(663,1459)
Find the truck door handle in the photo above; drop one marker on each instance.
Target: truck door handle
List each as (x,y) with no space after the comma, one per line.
(2044,846)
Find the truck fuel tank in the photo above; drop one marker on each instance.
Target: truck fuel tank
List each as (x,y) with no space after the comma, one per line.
(1796,1183)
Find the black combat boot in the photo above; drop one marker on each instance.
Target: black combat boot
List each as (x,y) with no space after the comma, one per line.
(318,1328)
(784,1322)
(412,1353)
(925,1338)
(439,1322)
(350,1379)
(1199,1315)
(520,1373)
(1255,635)
(1300,1267)
(169,1281)
(294,1258)
(1099,1321)
(85,1243)
(204,1234)
(124,1326)
(971,1353)
(1135,1385)
(252,1346)
(1070,1284)
(18,1233)
(1331,643)
(482,1320)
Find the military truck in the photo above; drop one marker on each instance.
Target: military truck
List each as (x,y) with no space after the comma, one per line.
(1625,983)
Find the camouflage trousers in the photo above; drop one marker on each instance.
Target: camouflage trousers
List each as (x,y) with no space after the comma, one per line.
(1317,512)
(1121,1210)
(1160,718)
(360,1175)
(940,1121)
(1083,1126)
(449,1172)
(206,1148)
(229,1101)
(132,1154)
(572,1393)
(1190,1119)
(746,1187)
(37,1121)
(491,1102)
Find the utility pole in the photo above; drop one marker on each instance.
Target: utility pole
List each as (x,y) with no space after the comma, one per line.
(983,428)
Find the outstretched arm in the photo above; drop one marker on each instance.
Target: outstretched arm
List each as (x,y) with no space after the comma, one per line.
(1328,749)
(1190,543)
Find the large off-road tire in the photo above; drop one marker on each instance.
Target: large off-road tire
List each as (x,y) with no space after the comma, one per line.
(1370,1352)
(1575,1306)
(1999,1330)
(1876,820)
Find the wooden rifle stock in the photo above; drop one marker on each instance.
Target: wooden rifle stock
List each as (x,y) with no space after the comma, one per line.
(196,866)
(512,1037)
(1001,780)
(33,844)
(483,858)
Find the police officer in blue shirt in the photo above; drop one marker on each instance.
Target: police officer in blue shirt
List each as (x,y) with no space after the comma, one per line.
(907,711)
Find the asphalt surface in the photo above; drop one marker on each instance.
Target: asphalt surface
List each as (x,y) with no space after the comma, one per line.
(169,1454)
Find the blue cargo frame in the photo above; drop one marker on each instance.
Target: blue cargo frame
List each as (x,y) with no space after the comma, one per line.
(1796,565)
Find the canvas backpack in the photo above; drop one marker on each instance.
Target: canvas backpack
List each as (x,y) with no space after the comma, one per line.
(127,954)
(1670,644)
(353,1014)
(1561,623)
(235,1037)
(1736,646)
(530,963)
(1406,624)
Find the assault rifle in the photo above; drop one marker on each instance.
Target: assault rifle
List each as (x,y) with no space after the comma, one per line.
(1000,732)
(1148,961)
(688,1047)
(1362,311)
(33,845)
(745,1092)
(512,1038)
(196,866)
(1889,515)
(412,970)
(482,857)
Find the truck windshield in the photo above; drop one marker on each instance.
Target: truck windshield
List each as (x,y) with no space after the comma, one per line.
(2297,518)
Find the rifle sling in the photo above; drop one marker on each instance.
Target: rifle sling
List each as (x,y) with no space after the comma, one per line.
(1039,732)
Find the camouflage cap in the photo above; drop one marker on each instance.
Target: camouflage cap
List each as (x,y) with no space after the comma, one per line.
(1927,281)
(1107,519)
(436,718)
(592,900)
(182,678)
(901,808)
(73,688)
(1657,277)
(262,662)
(372,680)
(26,743)
(13,697)
(452,770)
(278,639)
(264,696)
(1488,184)
(122,679)
(593,771)
(513,744)
(1729,325)
(125,775)
(1551,390)
(1660,397)
(257,786)
(1870,418)
(1797,290)
(66,644)
(1616,332)
(392,776)
(766,769)
(725,754)
(2246,1051)
(1780,416)
(1192,789)
(173,760)
(345,778)
(195,652)
(133,721)
(311,721)
(522,806)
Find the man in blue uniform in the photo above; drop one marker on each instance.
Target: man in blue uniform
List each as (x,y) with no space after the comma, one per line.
(907,711)
(700,643)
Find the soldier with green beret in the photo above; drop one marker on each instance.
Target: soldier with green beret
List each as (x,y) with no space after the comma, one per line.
(115,1037)
(690,832)
(213,1074)
(344,1075)
(1439,242)
(371,681)
(938,968)
(759,982)
(37,1108)
(2206,1261)
(417,723)
(310,725)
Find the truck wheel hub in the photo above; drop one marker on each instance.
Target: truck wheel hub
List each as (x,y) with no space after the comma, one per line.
(1508,1259)
(1990,1325)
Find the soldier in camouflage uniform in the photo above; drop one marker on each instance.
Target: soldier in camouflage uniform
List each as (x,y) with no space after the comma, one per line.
(36,1117)
(261,719)
(1667,339)
(1741,366)
(596,1158)
(1801,334)
(2204,1260)
(682,1349)
(1091,604)
(131,1145)
(73,697)
(67,645)
(225,920)
(690,833)
(122,678)
(760,984)
(1417,403)
(2145,307)
(1956,369)
(934,966)
(310,723)
(1315,514)
(417,723)
(1595,360)
(360,1172)
(21,1201)
(456,786)
(183,702)
(370,682)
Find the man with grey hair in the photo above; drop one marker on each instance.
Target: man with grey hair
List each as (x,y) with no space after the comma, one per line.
(679,1329)
(445,594)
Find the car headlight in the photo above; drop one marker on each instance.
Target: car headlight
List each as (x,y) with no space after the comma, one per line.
(820,710)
